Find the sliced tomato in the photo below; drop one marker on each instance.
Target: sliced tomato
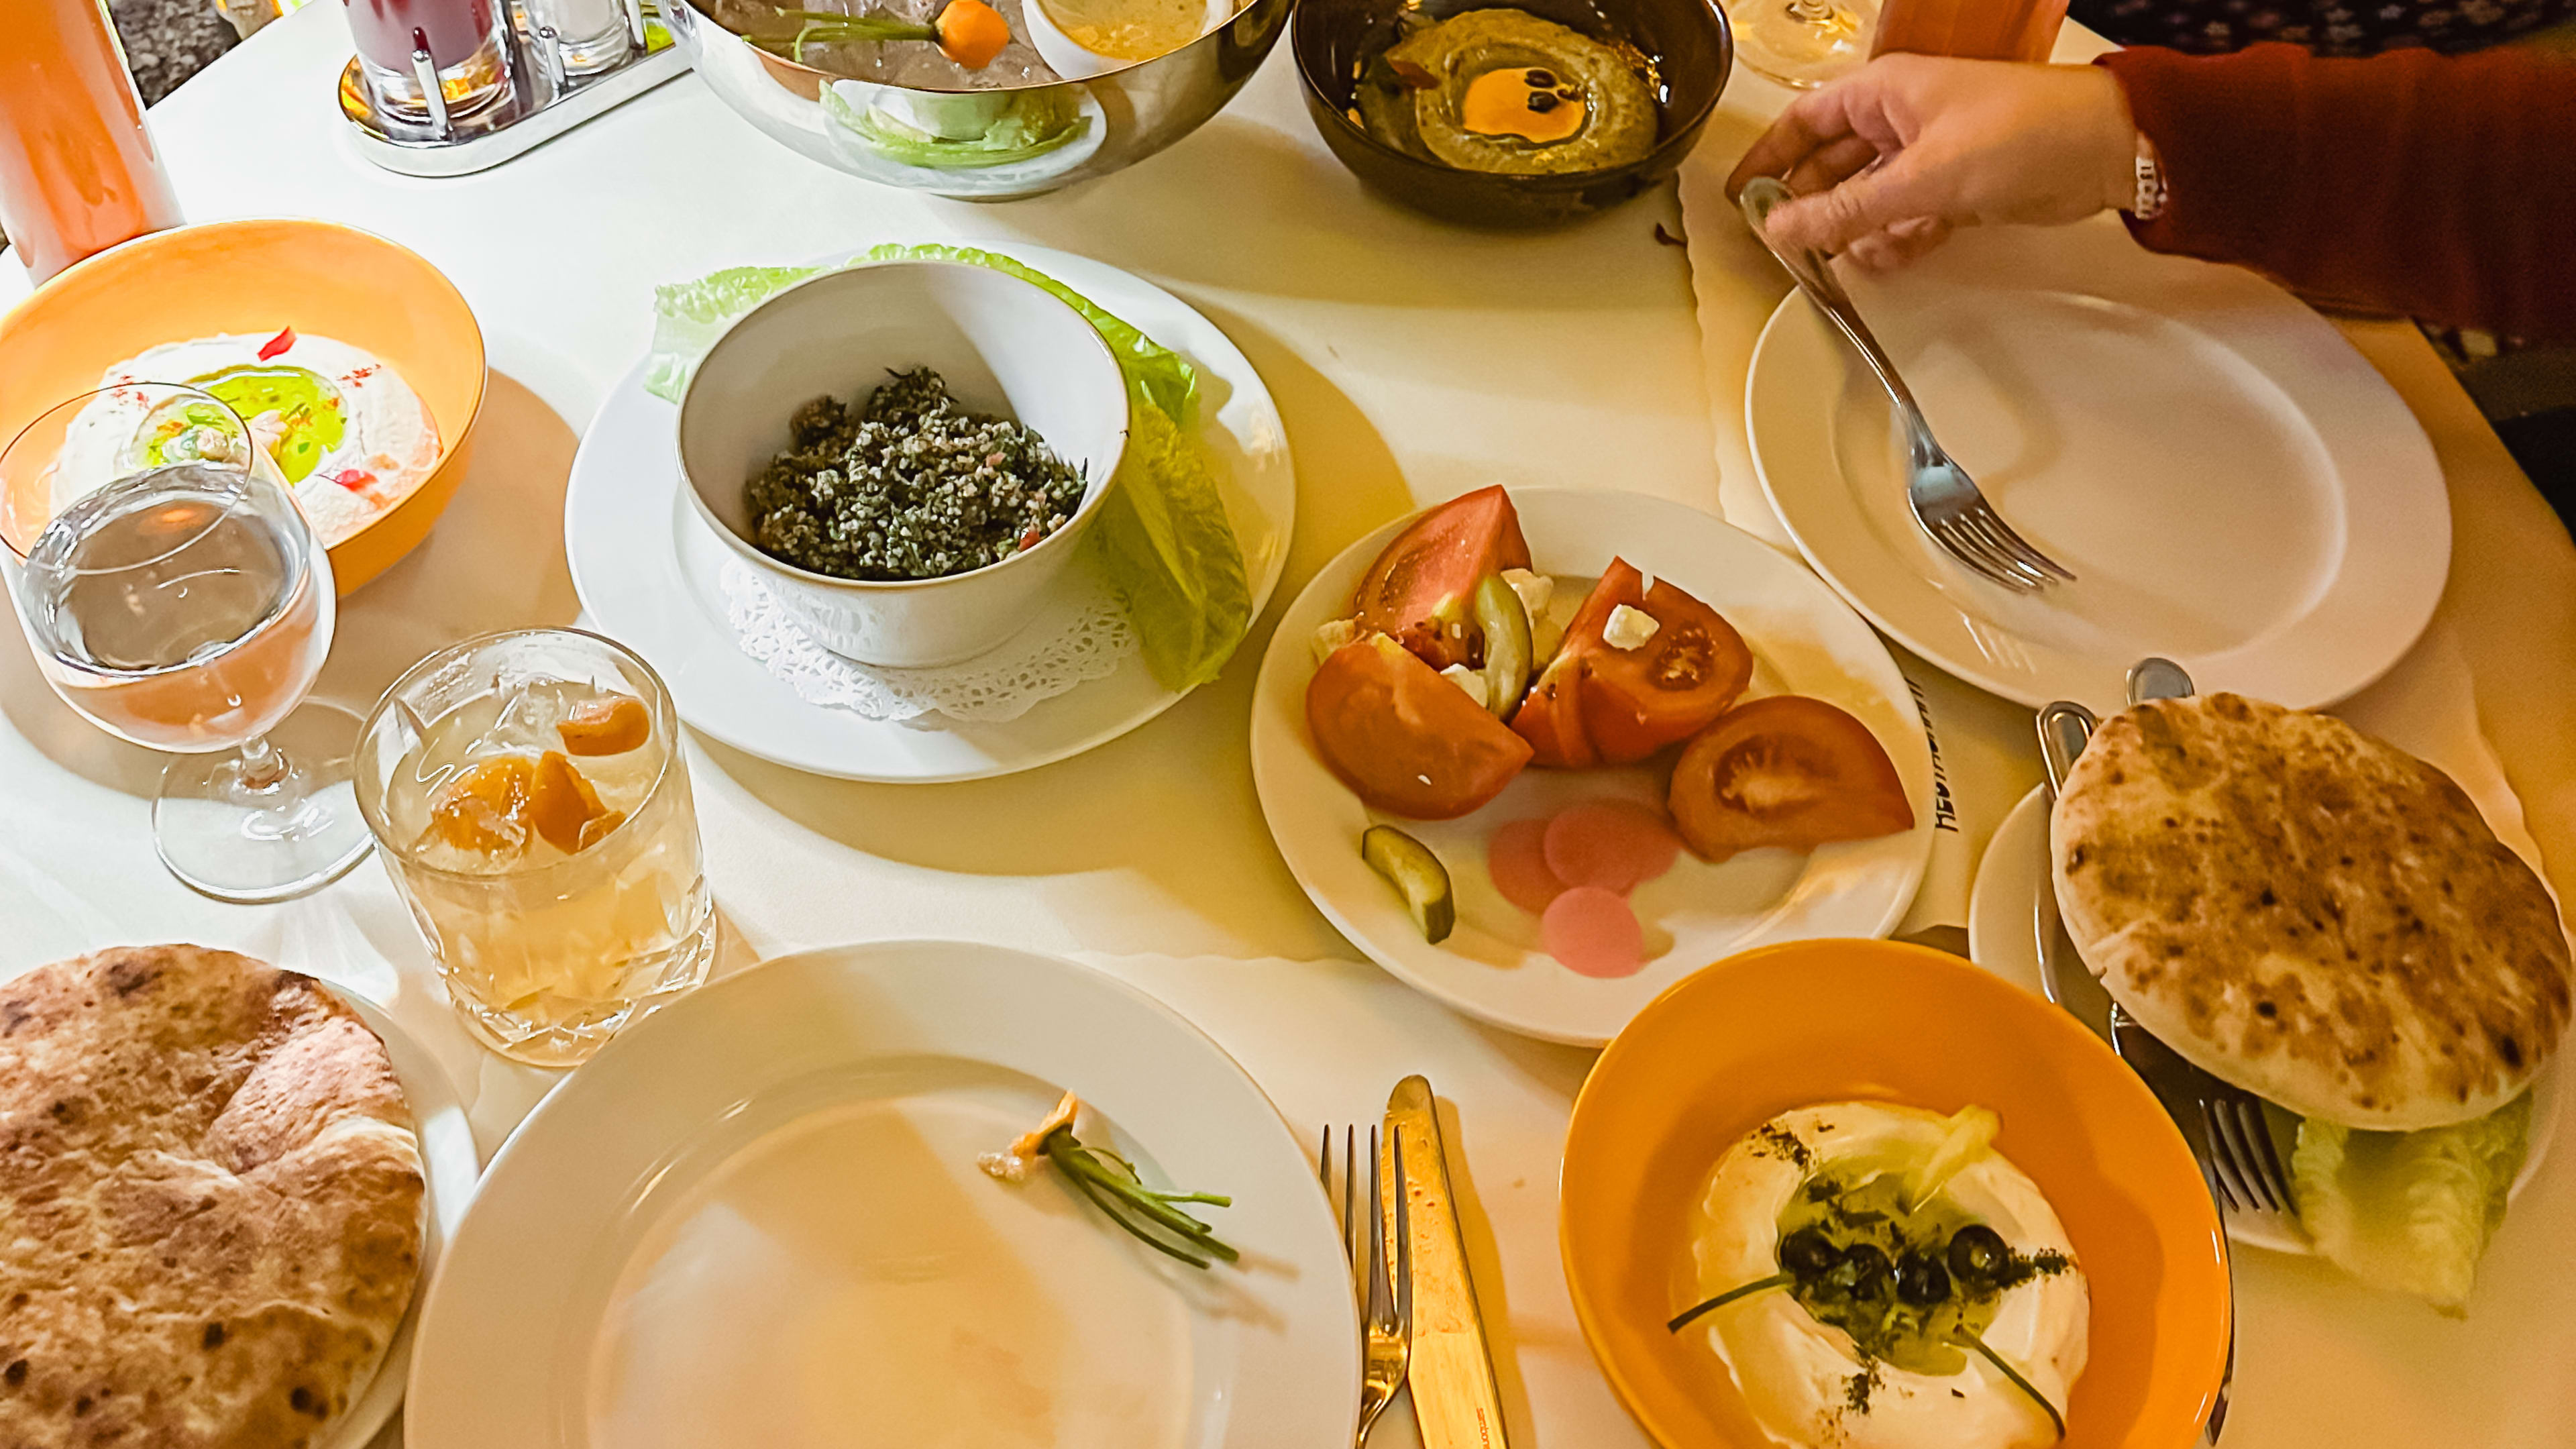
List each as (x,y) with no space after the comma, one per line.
(1551,718)
(1405,740)
(1599,704)
(1422,587)
(1786,771)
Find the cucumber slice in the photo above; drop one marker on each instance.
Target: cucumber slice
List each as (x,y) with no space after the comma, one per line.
(1505,623)
(1410,866)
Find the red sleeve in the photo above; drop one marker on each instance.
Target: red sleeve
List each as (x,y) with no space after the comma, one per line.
(2436,186)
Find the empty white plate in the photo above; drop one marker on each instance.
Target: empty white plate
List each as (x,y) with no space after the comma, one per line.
(2235,486)
(2003,937)
(649,571)
(756,1218)
(1492,967)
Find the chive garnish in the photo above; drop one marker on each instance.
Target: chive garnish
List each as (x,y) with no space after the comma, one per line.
(1967,1338)
(1683,1319)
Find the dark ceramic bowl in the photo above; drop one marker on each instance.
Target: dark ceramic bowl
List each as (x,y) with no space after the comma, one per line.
(1688,41)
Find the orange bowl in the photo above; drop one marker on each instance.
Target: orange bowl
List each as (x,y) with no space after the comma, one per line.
(258,277)
(1826,1021)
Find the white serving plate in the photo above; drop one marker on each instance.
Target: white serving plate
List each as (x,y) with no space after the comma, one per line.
(450,1166)
(2235,486)
(649,570)
(756,1218)
(1804,641)
(2003,937)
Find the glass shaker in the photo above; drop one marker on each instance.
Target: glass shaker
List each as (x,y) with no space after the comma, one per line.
(432,62)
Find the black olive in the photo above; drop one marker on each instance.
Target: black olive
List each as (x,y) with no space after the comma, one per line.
(1808,1253)
(1977,1254)
(1538,78)
(1542,102)
(1872,1279)
(1920,1281)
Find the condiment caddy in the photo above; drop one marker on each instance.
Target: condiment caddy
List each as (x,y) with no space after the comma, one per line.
(545,98)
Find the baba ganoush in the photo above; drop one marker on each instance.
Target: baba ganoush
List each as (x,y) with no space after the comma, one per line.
(346,433)
(1504,91)
(1879,1277)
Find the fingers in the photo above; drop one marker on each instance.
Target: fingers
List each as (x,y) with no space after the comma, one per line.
(1902,243)
(1905,189)
(1832,164)
(1811,123)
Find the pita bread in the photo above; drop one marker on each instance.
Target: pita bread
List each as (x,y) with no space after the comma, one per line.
(2311,914)
(211,1193)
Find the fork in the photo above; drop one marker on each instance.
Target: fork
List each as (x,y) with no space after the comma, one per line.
(1947,503)
(1384,1289)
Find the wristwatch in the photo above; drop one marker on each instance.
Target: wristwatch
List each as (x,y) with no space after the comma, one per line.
(2149,201)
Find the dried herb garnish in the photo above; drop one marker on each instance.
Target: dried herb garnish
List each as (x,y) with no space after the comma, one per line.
(1152,1217)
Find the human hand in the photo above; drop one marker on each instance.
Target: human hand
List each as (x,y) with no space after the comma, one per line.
(1888,161)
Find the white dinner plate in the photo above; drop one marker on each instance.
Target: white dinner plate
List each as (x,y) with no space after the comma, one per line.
(755,1218)
(450,1164)
(649,572)
(2003,937)
(2235,486)
(1804,641)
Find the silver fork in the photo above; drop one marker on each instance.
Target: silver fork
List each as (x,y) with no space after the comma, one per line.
(1384,1288)
(1946,501)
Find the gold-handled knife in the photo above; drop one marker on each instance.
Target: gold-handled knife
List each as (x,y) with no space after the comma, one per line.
(1452,1372)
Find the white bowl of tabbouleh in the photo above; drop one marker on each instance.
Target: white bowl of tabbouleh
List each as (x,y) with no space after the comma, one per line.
(909,452)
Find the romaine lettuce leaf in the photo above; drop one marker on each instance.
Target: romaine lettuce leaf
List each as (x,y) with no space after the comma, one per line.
(2410,1211)
(688,317)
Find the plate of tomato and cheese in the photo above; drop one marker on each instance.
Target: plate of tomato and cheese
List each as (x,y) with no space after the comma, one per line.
(1634,740)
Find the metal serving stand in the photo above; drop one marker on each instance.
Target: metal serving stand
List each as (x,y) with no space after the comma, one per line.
(543,102)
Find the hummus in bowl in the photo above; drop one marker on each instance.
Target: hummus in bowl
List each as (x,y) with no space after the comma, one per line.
(1879,1277)
(345,432)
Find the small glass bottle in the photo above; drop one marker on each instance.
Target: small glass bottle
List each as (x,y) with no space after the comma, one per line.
(431,62)
(589,36)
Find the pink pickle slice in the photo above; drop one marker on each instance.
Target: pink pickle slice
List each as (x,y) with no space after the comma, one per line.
(1517,859)
(1613,844)
(1593,932)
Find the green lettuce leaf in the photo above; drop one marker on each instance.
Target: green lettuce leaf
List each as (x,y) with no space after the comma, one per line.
(2410,1211)
(1163,534)
(1039,122)
(688,317)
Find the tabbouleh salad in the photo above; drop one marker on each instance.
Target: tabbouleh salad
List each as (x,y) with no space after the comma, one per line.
(908,485)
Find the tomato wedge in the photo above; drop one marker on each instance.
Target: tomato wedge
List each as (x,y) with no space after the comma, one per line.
(1405,740)
(1786,771)
(1597,703)
(1422,587)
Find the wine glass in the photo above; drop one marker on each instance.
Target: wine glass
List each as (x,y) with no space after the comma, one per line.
(1803,43)
(174,593)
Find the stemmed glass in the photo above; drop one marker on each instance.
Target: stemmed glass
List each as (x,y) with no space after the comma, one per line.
(1802,43)
(175,595)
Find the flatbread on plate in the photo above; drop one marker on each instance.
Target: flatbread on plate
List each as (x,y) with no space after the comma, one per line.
(211,1194)
(2316,916)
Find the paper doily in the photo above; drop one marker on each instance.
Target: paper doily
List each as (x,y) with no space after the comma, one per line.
(1086,637)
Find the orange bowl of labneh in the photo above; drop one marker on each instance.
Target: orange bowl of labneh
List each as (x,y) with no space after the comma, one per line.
(357,364)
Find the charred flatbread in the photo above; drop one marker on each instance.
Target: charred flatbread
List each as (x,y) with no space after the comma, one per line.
(211,1194)
(2316,916)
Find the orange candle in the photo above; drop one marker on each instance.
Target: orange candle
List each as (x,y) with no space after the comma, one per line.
(77,169)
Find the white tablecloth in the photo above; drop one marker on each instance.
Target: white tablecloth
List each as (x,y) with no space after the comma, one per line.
(1411,362)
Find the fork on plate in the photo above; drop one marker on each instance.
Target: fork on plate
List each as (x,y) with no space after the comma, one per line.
(1381,1279)
(1946,502)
